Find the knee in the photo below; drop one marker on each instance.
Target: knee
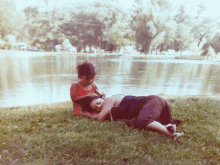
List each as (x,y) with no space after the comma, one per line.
(143,123)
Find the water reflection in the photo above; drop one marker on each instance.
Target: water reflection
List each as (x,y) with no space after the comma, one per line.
(27,80)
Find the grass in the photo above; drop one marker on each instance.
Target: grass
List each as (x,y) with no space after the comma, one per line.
(53,135)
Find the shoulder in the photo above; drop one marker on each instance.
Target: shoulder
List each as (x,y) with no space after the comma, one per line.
(74,87)
(116,98)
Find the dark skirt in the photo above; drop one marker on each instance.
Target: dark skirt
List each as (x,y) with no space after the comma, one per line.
(141,111)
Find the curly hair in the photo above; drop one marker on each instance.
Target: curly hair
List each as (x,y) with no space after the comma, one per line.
(86,69)
(85,103)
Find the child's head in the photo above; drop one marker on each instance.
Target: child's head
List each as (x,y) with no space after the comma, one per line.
(87,70)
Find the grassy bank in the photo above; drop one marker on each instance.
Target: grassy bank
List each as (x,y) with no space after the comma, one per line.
(51,134)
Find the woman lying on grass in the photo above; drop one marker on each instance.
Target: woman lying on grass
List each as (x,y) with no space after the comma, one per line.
(150,112)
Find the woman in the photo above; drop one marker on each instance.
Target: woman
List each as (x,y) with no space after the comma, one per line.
(151,112)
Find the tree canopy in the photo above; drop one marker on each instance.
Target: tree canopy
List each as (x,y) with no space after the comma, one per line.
(150,25)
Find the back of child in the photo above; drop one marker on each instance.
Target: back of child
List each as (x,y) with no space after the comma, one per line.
(84,87)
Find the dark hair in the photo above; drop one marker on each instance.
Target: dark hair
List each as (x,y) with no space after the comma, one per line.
(86,69)
(85,103)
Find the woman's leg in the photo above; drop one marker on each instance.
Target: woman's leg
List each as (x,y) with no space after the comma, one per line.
(159,127)
(150,112)
(154,115)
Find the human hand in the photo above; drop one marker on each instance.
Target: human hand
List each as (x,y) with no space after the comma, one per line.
(84,113)
(103,96)
(92,94)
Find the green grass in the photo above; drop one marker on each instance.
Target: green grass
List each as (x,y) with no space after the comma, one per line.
(53,135)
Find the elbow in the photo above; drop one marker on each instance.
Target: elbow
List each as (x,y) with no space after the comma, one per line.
(72,98)
(100,118)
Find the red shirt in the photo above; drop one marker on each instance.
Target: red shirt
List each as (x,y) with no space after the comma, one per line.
(80,92)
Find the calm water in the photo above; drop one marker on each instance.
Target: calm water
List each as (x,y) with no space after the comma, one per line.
(29,78)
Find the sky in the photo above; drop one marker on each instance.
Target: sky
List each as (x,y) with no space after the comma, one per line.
(211,10)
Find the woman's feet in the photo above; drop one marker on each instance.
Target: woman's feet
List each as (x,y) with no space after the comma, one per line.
(171,128)
(177,135)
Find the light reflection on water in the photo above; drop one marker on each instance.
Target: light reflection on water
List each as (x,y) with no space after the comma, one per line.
(27,79)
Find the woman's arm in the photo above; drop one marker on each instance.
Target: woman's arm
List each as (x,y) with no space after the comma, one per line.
(89,115)
(105,109)
(99,92)
(73,90)
(83,96)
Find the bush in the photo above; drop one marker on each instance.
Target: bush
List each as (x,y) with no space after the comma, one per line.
(210,52)
(2,43)
(194,48)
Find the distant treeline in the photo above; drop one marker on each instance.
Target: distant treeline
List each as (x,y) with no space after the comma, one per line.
(149,26)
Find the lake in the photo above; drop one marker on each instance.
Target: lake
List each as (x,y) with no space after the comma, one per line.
(28,78)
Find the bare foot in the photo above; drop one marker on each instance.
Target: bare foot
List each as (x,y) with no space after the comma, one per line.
(177,135)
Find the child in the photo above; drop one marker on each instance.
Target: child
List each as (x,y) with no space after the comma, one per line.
(85,86)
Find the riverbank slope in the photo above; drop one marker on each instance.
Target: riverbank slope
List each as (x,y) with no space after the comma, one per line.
(51,134)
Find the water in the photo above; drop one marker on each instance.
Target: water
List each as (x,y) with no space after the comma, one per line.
(28,78)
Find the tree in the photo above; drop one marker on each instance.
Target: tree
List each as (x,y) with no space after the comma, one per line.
(2,43)
(215,42)
(184,38)
(210,52)
(170,35)
(83,29)
(10,40)
(121,35)
(149,21)
(205,28)
(43,27)
(159,39)
(182,16)
(66,44)
(10,19)
(92,24)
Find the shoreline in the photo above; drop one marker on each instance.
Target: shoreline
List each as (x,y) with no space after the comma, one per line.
(69,105)
(46,107)
(147,56)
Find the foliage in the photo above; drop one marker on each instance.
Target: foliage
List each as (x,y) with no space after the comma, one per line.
(204,28)
(9,20)
(215,43)
(210,52)
(2,43)
(56,136)
(182,16)
(10,40)
(43,27)
(149,26)
(153,25)
(184,38)
(66,44)
(194,48)
(121,35)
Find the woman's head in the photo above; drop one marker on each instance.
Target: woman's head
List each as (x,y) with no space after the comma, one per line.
(87,70)
(91,104)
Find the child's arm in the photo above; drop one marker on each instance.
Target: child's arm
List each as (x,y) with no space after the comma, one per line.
(81,97)
(73,93)
(99,92)
(106,108)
